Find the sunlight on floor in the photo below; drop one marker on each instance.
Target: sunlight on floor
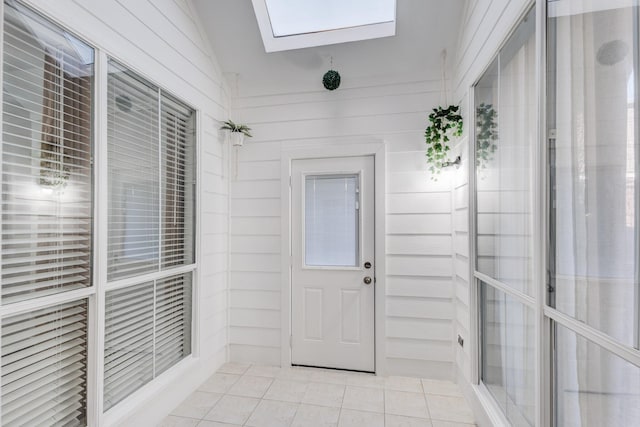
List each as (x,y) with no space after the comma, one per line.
(265,396)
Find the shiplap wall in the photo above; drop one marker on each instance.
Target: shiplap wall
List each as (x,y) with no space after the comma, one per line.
(419,308)
(162,40)
(485,26)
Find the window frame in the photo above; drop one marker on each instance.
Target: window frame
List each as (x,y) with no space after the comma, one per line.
(95,294)
(546,317)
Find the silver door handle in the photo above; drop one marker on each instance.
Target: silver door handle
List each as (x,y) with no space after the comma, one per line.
(367,280)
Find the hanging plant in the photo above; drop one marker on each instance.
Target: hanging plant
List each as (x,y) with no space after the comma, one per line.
(238,132)
(231,126)
(331,80)
(444,124)
(486,134)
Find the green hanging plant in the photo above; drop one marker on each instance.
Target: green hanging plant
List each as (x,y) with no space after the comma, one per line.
(486,134)
(331,80)
(444,124)
(233,127)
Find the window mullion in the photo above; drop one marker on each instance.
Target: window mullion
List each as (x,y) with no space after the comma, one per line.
(160,182)
(96,404)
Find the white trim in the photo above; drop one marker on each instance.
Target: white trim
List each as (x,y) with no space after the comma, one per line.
(527,300)
(196,281)
(321,38)
(374,148)
(603,340)
(148,277)
(2,6)
(101,232)
(542,339)
(46,301)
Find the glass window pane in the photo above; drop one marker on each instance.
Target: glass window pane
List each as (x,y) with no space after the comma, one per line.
(134,175)
(128,341)
(44,366)
(331,220)
(293,17)
(595,193)
(505,109)
(46,150)
(508,356)
(177,124)
(593,386)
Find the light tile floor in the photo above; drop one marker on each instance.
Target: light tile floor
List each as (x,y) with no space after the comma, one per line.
(266,396)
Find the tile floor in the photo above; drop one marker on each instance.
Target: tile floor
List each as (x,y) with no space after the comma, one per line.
(266,396)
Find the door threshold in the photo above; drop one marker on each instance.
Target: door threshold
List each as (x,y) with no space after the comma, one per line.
(332,369)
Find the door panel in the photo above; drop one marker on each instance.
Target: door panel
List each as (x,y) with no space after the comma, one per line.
(332,231)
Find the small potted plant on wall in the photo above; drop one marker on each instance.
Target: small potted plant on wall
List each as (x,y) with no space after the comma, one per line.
(444,124)
(237,132)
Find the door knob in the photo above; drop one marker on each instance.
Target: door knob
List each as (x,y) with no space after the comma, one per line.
(367,280)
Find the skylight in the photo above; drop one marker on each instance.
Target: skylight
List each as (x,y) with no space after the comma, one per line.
(294,24)
(302,17)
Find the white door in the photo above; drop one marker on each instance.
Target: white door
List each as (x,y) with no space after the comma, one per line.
(332,277)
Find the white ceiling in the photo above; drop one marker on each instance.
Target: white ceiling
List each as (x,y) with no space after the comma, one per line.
(424,29)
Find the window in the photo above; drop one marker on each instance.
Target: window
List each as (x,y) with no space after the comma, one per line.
(332,220)
(286,25)
(505,117)
(593,99)
(44,366)
(151,138)
(151,177)
(47,238)
(48,287)
(148,330)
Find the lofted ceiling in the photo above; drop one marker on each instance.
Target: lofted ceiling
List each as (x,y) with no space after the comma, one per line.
(424,29)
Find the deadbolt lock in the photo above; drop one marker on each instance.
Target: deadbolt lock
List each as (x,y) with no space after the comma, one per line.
(367,264)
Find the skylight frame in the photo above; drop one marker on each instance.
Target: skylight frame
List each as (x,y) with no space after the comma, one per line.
(298,41)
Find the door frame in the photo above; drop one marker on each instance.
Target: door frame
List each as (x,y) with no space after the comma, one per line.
(336,148)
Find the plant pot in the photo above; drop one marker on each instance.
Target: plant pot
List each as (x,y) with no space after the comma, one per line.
(237,139)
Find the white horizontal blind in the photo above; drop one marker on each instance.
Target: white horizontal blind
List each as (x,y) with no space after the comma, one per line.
(141,343)
(128,352)
(178,179)
(44,367)
(134,174)
(173,320)
(46,158)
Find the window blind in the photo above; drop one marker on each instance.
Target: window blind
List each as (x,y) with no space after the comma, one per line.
(178,132)
(173,321)
(46,158)
(44,367)
(151,177)
(134,174)
(141,343)
(128,354)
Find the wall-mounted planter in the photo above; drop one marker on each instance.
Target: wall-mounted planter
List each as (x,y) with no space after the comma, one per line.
(237,139)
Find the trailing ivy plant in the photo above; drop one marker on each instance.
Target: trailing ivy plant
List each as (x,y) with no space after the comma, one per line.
(444,124)
(486,134)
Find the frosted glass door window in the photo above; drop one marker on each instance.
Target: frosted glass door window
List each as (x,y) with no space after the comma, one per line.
(331,220)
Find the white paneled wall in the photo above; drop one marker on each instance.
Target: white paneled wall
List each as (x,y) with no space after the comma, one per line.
(162,40)
(485,26)
(419,308)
